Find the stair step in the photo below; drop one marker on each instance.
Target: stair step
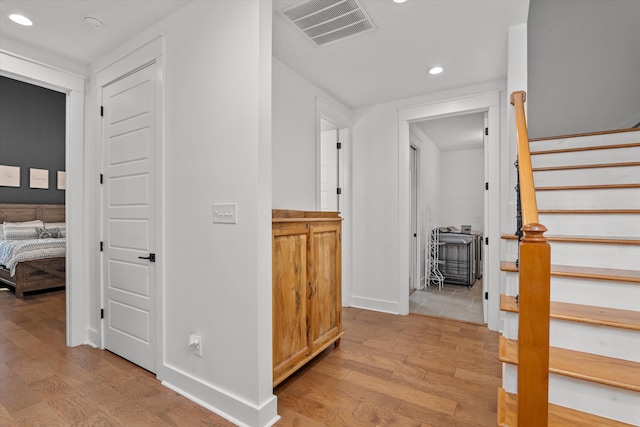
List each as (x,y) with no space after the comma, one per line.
(615,318)
(589,166)
(559,416)
(612,274)
(585,366)
(584,148)
(587,187)
(589,211)
(584,239)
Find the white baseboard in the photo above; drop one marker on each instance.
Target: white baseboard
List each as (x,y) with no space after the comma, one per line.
(228,406)
(392,307)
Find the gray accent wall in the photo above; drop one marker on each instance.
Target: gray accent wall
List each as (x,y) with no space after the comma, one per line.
(583,66)
(32,135)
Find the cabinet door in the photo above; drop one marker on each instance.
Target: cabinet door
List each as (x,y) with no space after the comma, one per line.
(325,299)
(289,274)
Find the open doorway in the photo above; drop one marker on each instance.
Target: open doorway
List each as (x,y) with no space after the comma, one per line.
(488,102)
(451,257)
(73,86)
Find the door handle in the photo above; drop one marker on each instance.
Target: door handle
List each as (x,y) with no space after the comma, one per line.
(151,257)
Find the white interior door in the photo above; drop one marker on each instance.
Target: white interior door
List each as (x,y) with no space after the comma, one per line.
(329,168)
(413,239)
(485,282)
(129,267)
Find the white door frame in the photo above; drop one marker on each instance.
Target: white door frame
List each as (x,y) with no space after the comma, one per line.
(40,74)
(489,102)
(343,121)
(146,54)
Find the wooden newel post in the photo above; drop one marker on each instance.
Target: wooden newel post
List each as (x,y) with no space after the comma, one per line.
(533,329)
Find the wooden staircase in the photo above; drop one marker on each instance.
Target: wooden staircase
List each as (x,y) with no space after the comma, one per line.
(588,194)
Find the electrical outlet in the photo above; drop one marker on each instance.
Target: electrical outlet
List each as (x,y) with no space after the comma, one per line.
(225,213)
(195,343)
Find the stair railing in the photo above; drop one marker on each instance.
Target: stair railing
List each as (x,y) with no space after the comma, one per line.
(533,298)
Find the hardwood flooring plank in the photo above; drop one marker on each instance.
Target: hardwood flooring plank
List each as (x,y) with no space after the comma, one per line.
(389,370)
(40,414)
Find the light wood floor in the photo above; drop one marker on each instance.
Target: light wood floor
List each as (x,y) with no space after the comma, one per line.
(388,371)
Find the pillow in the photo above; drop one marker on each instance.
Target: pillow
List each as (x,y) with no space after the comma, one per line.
(21,230)
(62,226)
(48,233)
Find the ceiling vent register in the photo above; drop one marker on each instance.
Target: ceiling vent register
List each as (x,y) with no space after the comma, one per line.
(326,21)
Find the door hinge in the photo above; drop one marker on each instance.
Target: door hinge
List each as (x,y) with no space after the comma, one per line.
(101,178)
(339,145)
(101,111)
(102,313)
(486,241)
(486,295)
(486,131)
(101,246)
(486,185)
(339,190)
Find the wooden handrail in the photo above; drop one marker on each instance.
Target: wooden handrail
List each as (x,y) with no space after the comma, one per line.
(527,192)
(534,290)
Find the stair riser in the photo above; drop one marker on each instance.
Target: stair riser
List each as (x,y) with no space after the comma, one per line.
(609,255)
(582,141)
(588,338)
(615,198)
(595,176)
(625,257)
(603,293)
(605,401)
(624,296)
(590,157)
(614,225)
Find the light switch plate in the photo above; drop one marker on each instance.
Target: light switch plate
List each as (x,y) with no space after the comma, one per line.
(225,213)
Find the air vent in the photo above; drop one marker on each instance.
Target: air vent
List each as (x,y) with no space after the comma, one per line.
(326,21)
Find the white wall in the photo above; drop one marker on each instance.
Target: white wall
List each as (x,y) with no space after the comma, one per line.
(376,193)
(294,138)
(216,278)
(462,188)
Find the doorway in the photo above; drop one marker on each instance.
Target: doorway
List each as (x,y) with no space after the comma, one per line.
(487,102)
(129,216)
(39,74)
(452,285)
(333,160)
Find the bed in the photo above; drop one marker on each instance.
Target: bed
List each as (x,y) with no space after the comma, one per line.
(48,272)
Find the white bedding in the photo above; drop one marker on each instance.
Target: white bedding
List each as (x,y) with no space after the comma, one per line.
(14,251)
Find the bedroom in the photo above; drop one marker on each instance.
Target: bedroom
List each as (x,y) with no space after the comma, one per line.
(32,187)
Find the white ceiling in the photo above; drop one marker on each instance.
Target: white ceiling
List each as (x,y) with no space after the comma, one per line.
(467,37)
(58,25)
(455,133)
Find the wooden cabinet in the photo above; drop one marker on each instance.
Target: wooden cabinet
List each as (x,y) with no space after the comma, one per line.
(307,287)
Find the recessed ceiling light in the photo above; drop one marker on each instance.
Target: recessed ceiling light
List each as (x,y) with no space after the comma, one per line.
(399,1)
(20,19)
(435,70)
